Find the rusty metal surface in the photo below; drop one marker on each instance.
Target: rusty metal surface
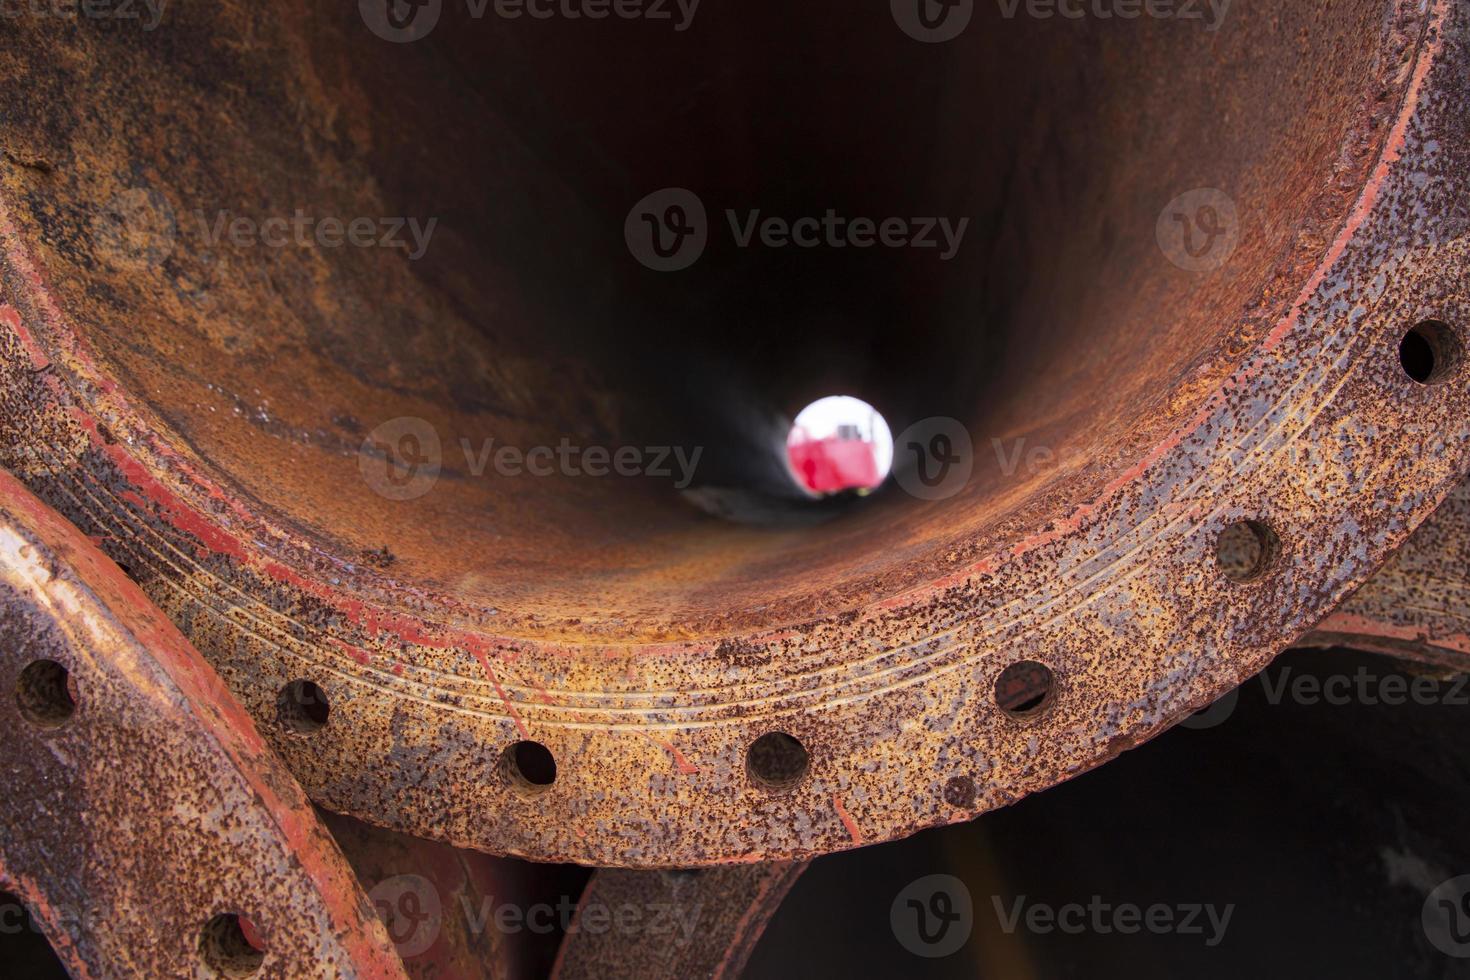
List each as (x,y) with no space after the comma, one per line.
(208,429)
(154,806)
(673,924)
(439,903)
(1418,605)
(420,890)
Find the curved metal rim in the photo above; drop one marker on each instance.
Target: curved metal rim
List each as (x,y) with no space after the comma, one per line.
(157,785)
(1120,598)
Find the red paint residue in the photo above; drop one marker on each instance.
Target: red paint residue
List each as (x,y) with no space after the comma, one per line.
(180,514)
(682,764)
(847,821)
(356,653)
(515,715)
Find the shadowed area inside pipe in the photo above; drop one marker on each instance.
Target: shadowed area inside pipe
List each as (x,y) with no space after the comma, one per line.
(1088,223)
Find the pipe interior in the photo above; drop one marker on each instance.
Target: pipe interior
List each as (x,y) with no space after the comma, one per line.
(1059,333)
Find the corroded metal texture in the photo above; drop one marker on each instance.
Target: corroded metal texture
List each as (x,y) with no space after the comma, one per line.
(438,903)
(1418,605)
(668,925)
(139,801)
(207,410)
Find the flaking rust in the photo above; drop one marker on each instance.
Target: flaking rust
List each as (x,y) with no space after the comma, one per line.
(148,827)
(1277,398)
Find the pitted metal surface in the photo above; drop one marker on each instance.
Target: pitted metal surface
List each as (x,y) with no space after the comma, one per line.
(140,803)
(1418,605)
(688,923)
(1291,410)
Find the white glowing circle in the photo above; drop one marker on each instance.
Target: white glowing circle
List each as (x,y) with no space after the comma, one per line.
(820,446)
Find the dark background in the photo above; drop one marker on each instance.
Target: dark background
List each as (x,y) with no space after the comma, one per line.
(1326,825)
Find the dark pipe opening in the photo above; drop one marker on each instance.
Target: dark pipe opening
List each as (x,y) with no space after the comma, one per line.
(1063,333)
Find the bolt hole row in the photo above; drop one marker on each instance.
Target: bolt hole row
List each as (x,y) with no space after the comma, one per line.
(1244,552)
(46,695)
(1429,353)
(776,761)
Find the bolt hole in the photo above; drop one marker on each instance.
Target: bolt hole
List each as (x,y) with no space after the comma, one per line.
(776,761)
(302,707)
(1024,689)
(229,946)
(529,766)
(46,694)
(1245,550)
(1430,352)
